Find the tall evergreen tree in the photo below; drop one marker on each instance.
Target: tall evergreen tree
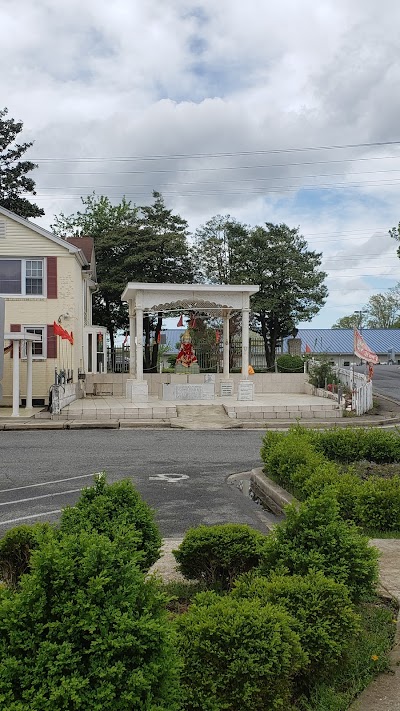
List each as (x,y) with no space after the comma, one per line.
(14,180)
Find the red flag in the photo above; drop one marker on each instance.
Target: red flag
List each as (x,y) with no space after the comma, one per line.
(192,323)
(217,336)
(71,338)
(308,349)
(159,337)
(126,338)
(362,350)
(58,330)
(180,322)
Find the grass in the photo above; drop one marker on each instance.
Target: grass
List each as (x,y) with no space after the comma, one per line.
(367,657)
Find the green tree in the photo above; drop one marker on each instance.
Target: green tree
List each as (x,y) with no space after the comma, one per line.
(14,180)
(352,321)
(161,254)
(114,243)
(291,288)
(216,251)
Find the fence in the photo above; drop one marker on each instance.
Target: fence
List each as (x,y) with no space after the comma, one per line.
(209,356)
(360,386)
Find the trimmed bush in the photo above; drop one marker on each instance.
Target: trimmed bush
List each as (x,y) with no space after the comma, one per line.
(378,504)
(111,510)
(216,555)
(85,631)
(350,445)
(290,364)
(238,655)
(324,616)
(315,537)
(290,453)
(15,550)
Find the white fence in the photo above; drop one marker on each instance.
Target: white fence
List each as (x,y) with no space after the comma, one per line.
(361,389)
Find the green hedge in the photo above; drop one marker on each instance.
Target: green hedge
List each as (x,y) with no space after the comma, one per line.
(111,510)
(308,462)
(16,547)
(313,536)
(323,614)
(217,554)
(238,655)
(85,630)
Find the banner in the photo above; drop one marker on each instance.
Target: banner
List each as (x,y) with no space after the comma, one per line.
(361,350)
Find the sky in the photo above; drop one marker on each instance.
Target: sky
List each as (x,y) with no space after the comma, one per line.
(279,111)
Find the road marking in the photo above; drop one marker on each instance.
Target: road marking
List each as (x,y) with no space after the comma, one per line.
(25,518)
(35,498)
(171,477)
(43,483)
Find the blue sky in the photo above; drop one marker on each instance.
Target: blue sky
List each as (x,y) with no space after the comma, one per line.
(280,112)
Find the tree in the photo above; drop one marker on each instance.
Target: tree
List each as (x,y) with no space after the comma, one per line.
(274,257)
(352,321)
(114,244)
(161,254)
(14,182)
(381,311)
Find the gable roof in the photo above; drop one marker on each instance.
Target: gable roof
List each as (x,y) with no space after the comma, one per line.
(45,233)
(86,244)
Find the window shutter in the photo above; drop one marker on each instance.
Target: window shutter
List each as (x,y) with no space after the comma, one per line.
(51,342)
(15,328)
(51,277)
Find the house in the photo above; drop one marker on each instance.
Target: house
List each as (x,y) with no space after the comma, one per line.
(338,343)
(47,285)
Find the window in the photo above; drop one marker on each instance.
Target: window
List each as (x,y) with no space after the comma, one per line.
(22,276)
(38,347)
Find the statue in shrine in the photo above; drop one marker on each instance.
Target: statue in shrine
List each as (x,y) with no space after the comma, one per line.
(186,360)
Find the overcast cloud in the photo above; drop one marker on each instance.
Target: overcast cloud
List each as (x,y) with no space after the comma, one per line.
(176,84)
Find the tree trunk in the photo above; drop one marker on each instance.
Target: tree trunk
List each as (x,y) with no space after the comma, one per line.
(154,355)
(269,356)
(146,353)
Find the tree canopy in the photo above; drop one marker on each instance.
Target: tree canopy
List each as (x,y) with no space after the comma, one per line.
(381,311)
(14,180)
(277,259)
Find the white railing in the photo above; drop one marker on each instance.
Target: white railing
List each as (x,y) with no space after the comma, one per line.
(360,386)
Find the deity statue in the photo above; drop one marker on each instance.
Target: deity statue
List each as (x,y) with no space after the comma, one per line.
(186,357)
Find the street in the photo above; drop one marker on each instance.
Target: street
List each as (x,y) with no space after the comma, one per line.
(386,380)
(181,474)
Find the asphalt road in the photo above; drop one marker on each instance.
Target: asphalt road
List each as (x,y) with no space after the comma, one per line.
(181,474)
(386,380)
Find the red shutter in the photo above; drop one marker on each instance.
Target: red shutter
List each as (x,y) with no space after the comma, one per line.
(51,342)
(51,277)
(14,328)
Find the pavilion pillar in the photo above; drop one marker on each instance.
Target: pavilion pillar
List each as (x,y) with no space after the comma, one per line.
(29,374)
(15,410)
(132,340)
(225,341)
(245,343)
(139,344)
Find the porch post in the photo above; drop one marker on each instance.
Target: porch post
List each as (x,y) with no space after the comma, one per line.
(139,343)
(245,343)
(15,410)
(132,337)
(29,374)
(225,341)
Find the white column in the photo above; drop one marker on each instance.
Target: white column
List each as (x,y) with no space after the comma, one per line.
(225,341)
(139,344)
(29,374)
(132,336)
(245,343)
(15,410)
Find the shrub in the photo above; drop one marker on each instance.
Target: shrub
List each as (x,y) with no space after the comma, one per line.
(289,453)
(85,631)
(324,615)
(238,655)
(112,509)
(321,371)
(290,364)
(315,537)
(352,444)
(216,555)
(15,550)
(378,504)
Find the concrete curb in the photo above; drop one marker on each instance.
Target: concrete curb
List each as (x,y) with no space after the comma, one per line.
(271,491)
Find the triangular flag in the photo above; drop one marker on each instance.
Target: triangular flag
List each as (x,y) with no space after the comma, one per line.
(308,349)
(217,336)
(180,322)
(58,330)
(71,338)
(192,323)
(159,337)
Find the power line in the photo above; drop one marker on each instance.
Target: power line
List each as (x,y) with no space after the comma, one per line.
(228,154)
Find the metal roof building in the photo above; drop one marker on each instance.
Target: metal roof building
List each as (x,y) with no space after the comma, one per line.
(340,341)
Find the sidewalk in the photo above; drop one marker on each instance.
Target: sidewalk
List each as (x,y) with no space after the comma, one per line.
(384,692)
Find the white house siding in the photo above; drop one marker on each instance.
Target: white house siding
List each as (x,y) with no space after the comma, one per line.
(22,242)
